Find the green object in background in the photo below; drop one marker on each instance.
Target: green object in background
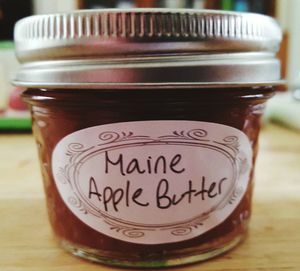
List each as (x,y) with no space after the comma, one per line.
(15,124)
(9,123)
(227,4)
(7,44)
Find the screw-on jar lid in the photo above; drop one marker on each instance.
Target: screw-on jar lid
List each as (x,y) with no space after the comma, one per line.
(147,47)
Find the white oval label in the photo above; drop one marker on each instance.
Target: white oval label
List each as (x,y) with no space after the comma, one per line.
(153,182)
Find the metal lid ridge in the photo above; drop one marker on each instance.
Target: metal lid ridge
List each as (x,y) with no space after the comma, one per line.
(149,23)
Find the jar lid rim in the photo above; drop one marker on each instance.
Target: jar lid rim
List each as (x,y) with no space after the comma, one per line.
(143,33)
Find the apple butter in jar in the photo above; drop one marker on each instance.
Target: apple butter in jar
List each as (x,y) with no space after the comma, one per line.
(146,123)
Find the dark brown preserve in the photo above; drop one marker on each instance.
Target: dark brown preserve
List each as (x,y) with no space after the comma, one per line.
(57,113)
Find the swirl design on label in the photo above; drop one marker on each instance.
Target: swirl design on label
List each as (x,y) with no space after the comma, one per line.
(153,182)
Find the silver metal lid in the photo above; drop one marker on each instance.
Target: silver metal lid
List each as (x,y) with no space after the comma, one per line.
(146,47)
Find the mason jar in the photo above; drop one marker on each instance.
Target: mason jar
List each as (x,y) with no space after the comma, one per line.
(146,123)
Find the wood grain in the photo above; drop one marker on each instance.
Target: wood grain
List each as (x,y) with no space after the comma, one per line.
(273,244)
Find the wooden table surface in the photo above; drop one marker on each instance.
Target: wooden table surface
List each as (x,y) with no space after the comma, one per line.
(26,241)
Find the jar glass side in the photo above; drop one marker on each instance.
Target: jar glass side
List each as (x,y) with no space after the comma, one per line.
(58,113)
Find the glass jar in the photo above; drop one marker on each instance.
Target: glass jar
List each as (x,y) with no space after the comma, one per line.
(147,122)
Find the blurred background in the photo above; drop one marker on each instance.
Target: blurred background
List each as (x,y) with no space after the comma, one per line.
(284,108)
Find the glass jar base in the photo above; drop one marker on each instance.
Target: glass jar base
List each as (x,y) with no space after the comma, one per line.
(93,255)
